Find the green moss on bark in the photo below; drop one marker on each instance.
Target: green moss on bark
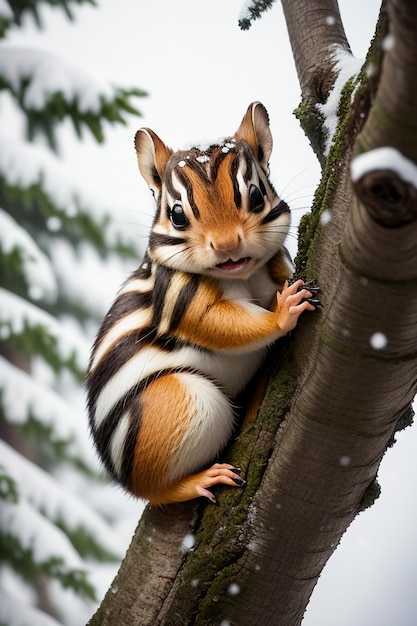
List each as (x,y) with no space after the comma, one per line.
(225,530)
(371,494)
(310,230)
(354,105)
(311,121)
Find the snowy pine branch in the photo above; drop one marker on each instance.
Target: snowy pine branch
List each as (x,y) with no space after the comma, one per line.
(6,17)
(35,332)
(14,10)
(22,255)
(8,487)
(26,490)
(61,256)
(28,404)
(72,515)
(78,271)
(49,90)
(252,10)
(34,183)
(36,546)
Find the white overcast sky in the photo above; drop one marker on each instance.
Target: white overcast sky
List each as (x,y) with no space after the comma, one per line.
(201,73)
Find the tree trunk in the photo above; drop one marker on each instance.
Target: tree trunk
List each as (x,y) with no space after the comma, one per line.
(335,396)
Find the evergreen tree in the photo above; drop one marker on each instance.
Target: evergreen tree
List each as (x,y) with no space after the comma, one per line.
(53,235)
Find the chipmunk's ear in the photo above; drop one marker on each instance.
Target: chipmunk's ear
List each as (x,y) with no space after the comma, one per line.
(254,129)
(152,155)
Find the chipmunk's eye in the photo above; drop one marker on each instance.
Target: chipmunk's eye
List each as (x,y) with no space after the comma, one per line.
(177,217)
(256,199)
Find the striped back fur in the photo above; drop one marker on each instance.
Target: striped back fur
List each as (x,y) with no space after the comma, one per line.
(196,305)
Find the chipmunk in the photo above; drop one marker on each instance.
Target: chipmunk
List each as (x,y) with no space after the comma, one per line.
(193,323)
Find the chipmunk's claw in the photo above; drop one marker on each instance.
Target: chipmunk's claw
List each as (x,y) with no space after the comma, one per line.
(314,290)
(314,301)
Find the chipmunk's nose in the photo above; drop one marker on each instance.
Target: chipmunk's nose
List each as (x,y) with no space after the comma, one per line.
(225,242)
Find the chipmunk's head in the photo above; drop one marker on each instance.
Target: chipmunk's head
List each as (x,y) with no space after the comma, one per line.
(217,212)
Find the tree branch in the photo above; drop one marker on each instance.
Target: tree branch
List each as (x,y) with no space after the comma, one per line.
(314,32)
(391,200)
(392,120)
(349,401)
(317,35)
(150,567)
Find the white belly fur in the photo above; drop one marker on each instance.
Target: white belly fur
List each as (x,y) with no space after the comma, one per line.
(231,371)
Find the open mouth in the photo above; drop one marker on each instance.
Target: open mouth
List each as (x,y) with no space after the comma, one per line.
(234,266)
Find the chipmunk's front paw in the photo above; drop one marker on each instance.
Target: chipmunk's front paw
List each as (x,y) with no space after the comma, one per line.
(291,302)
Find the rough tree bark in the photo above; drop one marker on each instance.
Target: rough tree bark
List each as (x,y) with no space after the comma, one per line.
(333,402)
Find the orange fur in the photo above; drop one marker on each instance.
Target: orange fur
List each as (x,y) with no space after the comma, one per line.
(280,268)
(256,398)
(165,415)
(218,225)
(219,324)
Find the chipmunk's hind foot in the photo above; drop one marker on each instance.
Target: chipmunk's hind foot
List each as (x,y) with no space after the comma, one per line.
(198,485)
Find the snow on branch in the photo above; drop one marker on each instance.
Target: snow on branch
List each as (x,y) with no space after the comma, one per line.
(385,158)
(5,10)
(48,89)
(40,333)
(252,10)
(80,274)
(25,166)
(24,7)
(34,544)
(386,183)
(346,67)
(6,17)
(51,507)
(45,75)
(36,267)
(23,398)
